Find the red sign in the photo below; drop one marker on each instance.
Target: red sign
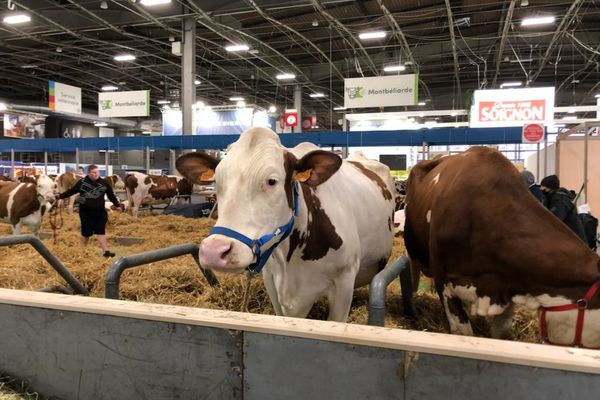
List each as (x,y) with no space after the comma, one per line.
(291,119)
(512,110)
(533,133)
(306,123)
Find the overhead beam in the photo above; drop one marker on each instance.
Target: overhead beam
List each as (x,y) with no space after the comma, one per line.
(454,54)
(500,50)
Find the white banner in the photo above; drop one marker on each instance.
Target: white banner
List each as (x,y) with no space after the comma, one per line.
(512,107)
(124,104)
(381,91)
(64,98)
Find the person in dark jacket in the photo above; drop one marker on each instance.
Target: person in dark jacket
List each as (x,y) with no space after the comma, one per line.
(535,189)
(560,202)
(92,213)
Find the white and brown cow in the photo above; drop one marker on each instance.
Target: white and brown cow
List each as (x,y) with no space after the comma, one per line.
(25,203)
(145,189)
(66,181)
(474,227)
(342,233)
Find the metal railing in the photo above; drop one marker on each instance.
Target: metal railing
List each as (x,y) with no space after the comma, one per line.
(378,287)
(113,276)
(58,266)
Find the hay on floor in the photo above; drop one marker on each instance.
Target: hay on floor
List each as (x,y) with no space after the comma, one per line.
(179,281)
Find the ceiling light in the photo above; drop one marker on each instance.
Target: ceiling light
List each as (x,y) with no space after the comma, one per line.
(272,109)
(237,47)
(394,68)
(372,35)
(200,104)
(241,103)
(597,96)
(28,66)
(100,124)
(3,107)
(163,102)
(104,5)
(339,108)
(285,76)
(124,57)
(59,49)
(569,117)
(166,107)
(151,3)
(253,51)
(537,21)
(315,95)
(146,132)
(421,103)
(510,84)
(107,88)
(16,19)
(237,98)
(197,82)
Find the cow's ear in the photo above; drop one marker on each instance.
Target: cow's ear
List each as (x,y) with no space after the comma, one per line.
(316,167)
(198,167)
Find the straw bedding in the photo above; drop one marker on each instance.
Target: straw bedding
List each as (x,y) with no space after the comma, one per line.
(179,282)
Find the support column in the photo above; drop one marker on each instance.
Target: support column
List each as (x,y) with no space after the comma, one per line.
(345,150)
(147,159)
(545,158)
(172,159)
(45,163)
(76,159)
(106,157)
(298,107)
(188,74)
(12,164)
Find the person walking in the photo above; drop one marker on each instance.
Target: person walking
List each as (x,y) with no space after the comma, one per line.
(92,214)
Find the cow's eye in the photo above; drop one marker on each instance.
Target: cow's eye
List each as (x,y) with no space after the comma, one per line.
(272,181)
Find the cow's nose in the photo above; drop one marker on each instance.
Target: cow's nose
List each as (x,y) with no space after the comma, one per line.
(214,254)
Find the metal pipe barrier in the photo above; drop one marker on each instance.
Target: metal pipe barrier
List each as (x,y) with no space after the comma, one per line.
(39,246)
(113,276)
(379,286)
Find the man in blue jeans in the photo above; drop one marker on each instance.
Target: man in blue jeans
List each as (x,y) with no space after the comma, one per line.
(92,213)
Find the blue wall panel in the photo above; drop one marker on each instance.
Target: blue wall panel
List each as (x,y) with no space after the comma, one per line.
(439,136)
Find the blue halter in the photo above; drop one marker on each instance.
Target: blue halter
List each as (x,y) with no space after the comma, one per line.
(262,255)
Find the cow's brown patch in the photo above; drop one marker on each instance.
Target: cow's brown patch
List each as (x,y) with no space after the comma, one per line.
(375,178)
(289,161)
(131,183)
(390,224)
(5,189)
(320,234)
(148,180)
(25,202)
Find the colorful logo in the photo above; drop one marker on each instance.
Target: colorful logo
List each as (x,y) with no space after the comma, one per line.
(106,104)
(354,92)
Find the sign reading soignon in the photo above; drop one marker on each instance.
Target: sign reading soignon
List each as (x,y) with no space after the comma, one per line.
(381,91)
(124,104)
(512,107)
(64,98)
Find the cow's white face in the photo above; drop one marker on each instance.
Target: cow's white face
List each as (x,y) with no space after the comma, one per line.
(254,191)
(46,188)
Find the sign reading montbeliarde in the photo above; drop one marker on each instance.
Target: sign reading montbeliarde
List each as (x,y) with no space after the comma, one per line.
(381,91)
(134,103)
(512,107)
(64,98)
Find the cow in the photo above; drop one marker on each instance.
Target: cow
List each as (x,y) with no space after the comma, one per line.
(145,189)
(331,218)
(66,181)
(25,203)
(5,179)
(115,182)
(472,225)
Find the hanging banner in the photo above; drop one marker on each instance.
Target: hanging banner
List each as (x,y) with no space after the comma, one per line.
(134,103)
(512,107)
(211,122)
(64,98)
(381,91)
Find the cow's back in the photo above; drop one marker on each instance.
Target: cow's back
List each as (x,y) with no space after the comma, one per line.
(17,200)
(472,210)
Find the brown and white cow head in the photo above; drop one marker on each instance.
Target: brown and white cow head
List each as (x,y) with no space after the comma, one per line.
(46,188)
(254,184)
